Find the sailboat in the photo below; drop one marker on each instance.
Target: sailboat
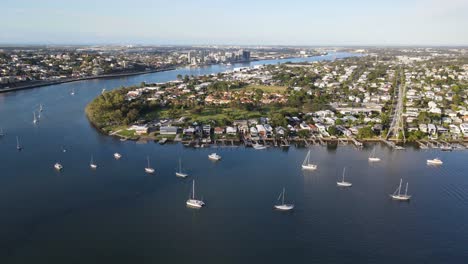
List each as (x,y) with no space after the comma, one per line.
(180,173)
(18,146)
(72,92)
(192,202)
(35,119)
(92,165)
(148,169)
(397,194)
(40,108)
(283,206)
(58,166)
(306,165)
(343,183)
(1,132)
(372,157)
(117,156)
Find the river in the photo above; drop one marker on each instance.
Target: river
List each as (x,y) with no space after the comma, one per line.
(119,214)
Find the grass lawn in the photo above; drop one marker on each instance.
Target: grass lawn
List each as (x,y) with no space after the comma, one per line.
(267,88)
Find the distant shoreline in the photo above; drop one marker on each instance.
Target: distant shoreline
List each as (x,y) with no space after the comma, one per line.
(115,75)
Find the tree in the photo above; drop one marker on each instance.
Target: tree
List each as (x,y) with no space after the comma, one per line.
(303,133)
(333,131)
(366,132)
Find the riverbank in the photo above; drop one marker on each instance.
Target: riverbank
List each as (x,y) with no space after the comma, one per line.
(106,76)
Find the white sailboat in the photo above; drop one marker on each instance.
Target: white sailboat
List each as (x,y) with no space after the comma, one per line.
(397,194)
(283,206)
(306,165)
(372,157)
(72,92)
(40,108)
(18,146)
(192,202)
(92,165)
(117,156)
(214,156)
(1,132)
(35,119)
(343,183)
(148,169)
(435,161)
(58,166)
(180,173)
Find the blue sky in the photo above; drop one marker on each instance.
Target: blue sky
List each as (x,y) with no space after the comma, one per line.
(259,22)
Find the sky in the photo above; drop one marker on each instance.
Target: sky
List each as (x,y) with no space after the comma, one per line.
(235,22)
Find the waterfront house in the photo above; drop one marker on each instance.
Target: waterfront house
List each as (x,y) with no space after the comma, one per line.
(218,130)
(168,130)
(464,129)
(231,130)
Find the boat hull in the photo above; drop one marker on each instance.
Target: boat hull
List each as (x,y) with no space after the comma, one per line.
(93,166)
(344,184)
(309,167)
(149,170)
(400,197)
(374,159)
(195,203)
(284,207)
(181,174)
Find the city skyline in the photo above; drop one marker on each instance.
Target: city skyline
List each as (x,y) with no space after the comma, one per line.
(207,22)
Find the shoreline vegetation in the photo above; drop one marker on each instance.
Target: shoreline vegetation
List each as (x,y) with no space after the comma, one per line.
(69,80)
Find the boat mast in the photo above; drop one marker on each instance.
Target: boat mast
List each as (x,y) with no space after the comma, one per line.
(344,169)
(406,191)
(193,190)
(180,166)
(17,142)
(147,157)
(399,188)
(283,197)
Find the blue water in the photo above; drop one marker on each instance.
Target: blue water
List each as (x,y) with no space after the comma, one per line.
(119,214)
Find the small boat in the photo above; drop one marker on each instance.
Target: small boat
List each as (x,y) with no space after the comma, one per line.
(283,206)
(214,156)
(372,157)
(148,169)
(58,166)
(306,165)
(258,146)
(162,141)
(180,173)
(92,165)
(63,149)
(446,148)
(343,183)
(40,108)
(192,202)
(72,92)
(35,119)
(1,132)
(103,91)
(18,146)
(399,148)
(397,194)
(435,161)
(117,156)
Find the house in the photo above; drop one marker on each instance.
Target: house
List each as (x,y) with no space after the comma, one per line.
(231,130)
(442,130)
(304,126)
(218,130)
(139,130)
(269,130)
(431,129)
(168,130)
(189,131)
(207,129)
(454,129)
(281,131)
(261,130)
(464,129)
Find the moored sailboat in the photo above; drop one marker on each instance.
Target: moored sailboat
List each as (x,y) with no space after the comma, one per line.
(192,202)
(343,183)
(306,165)
(92,165)
(179,173)
(148,169)
(397,194)
(283,206)
(372,157)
